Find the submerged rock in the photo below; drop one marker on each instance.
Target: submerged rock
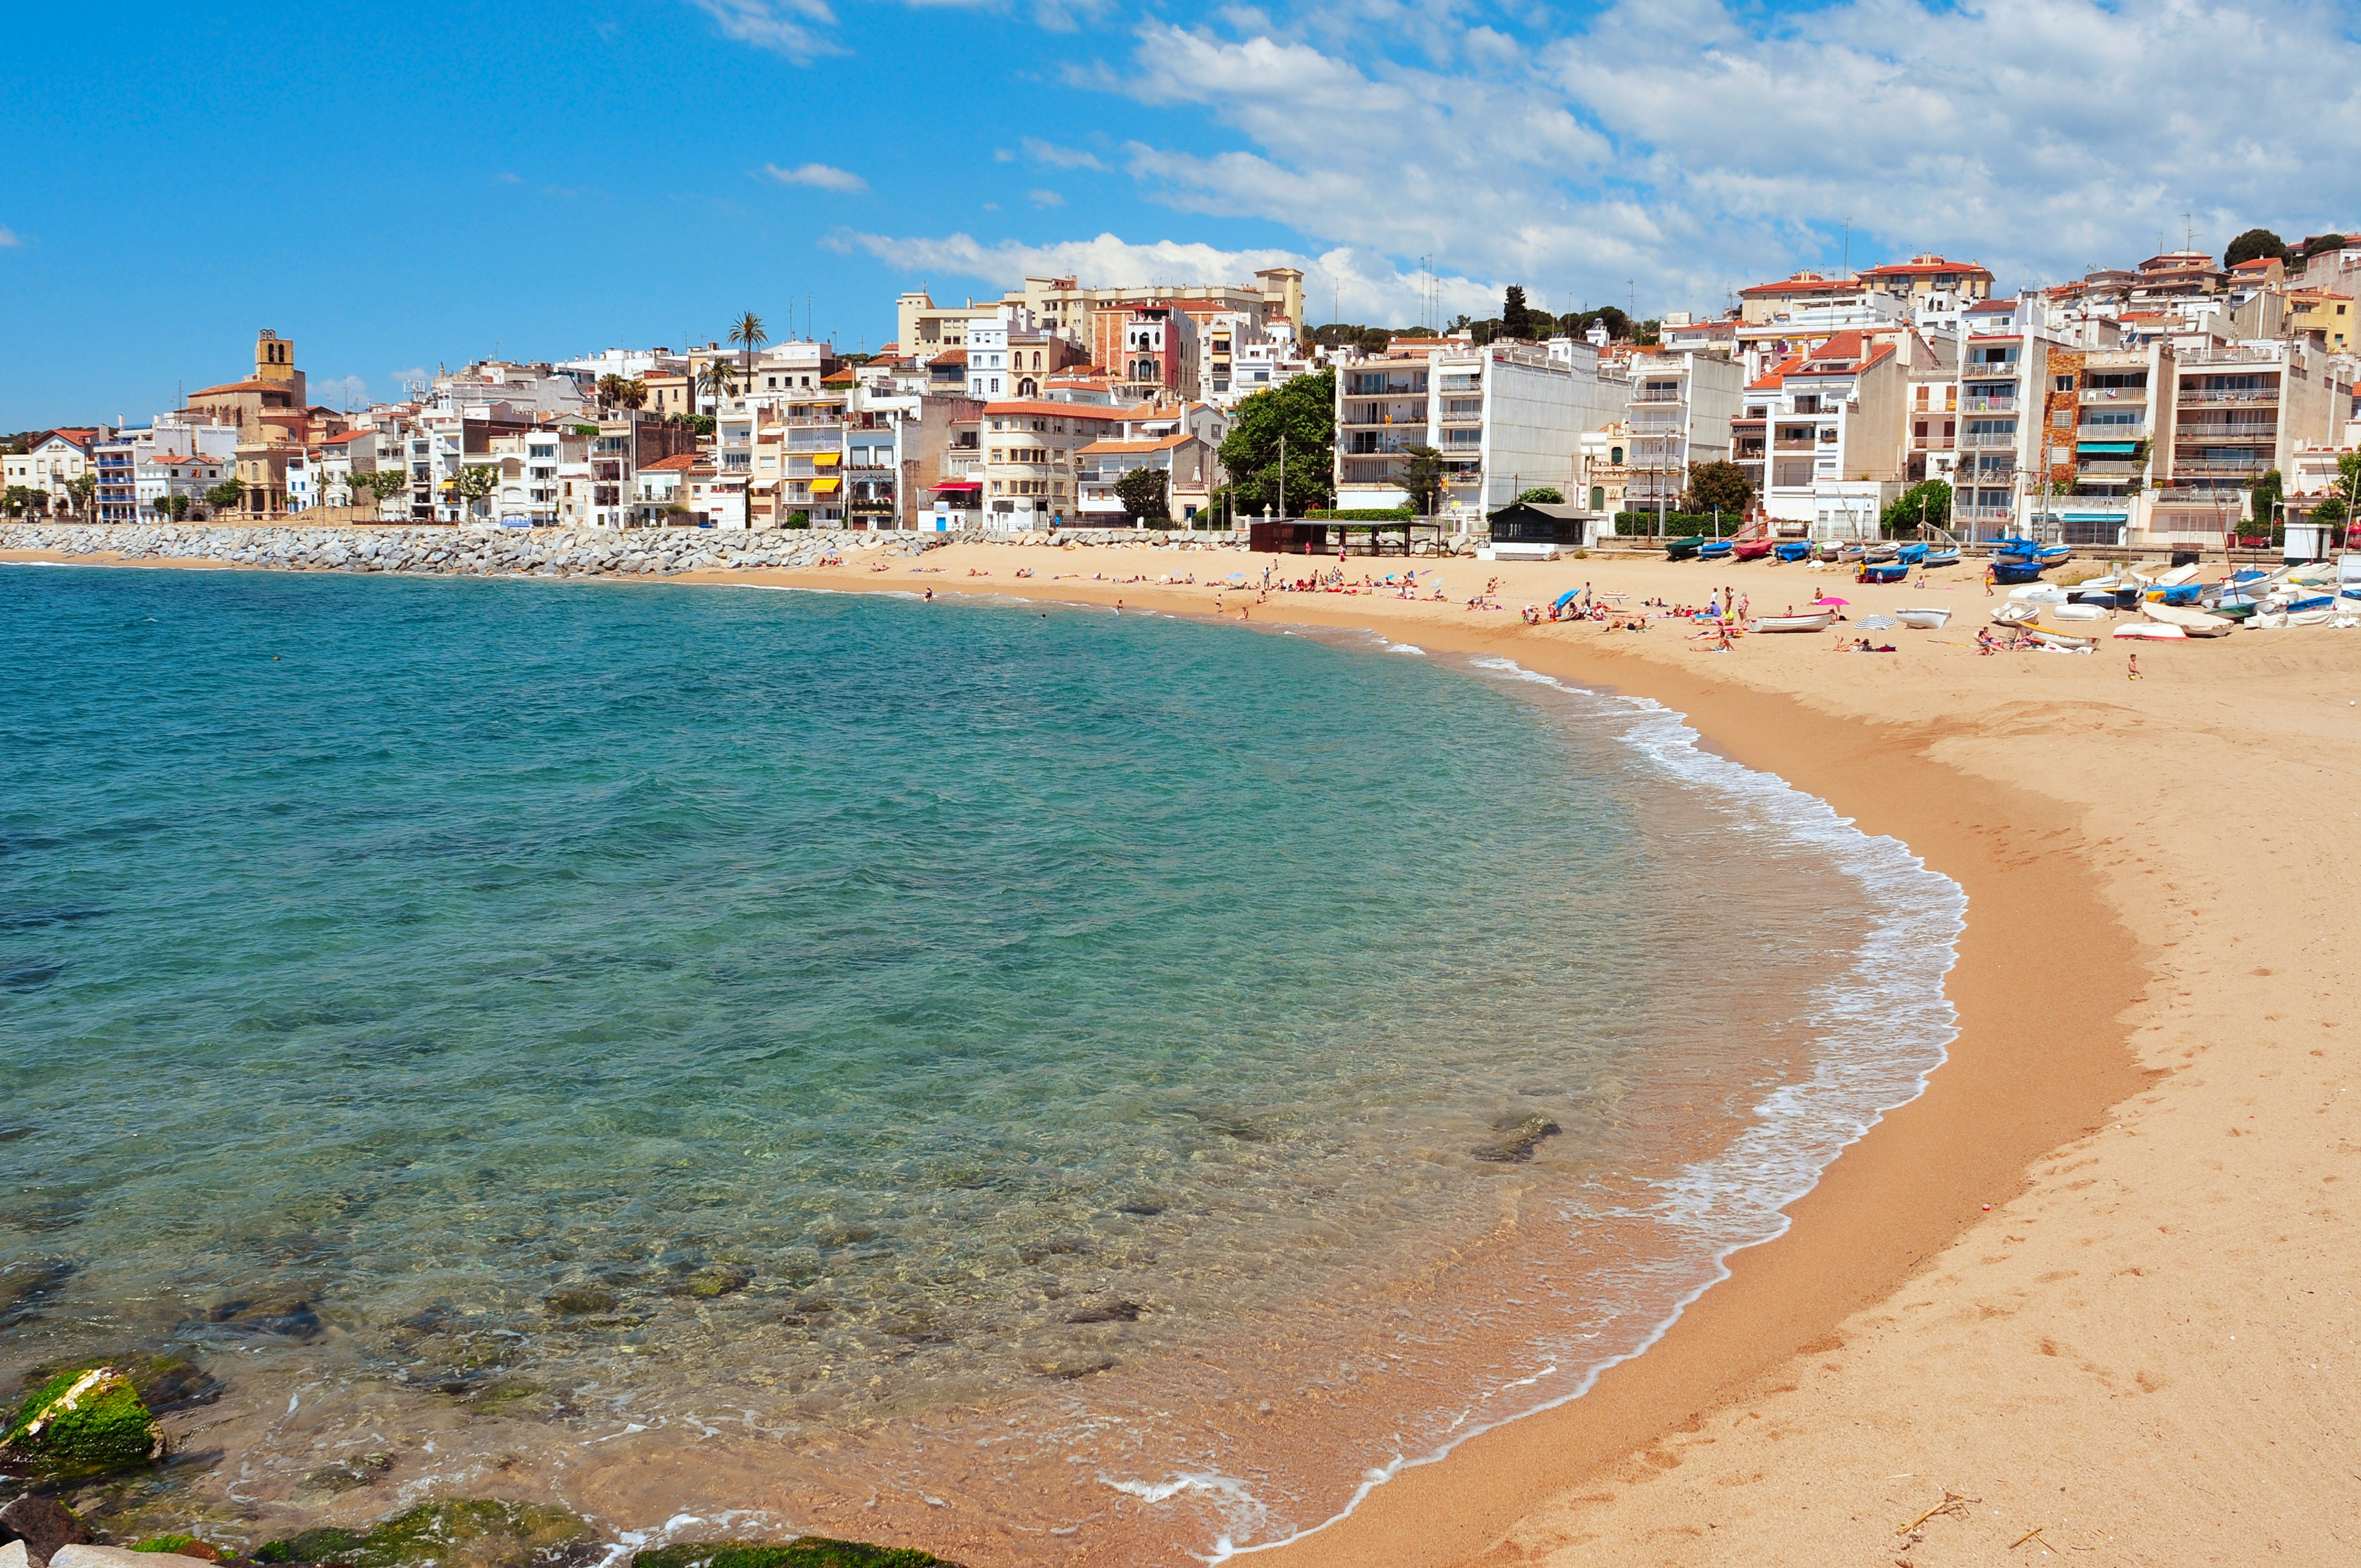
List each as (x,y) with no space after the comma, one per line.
(86,1422)
(1517,1140)
(39,1527)
(462,1533)
(579,1300)
(123,1557)
(804,1551)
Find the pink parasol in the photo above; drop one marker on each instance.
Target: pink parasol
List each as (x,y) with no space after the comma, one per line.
(1831,598)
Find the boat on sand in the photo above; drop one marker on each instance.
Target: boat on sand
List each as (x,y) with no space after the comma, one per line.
(1926,618)
(1818,621)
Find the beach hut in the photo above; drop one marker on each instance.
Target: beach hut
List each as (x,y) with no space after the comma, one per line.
(1542,530)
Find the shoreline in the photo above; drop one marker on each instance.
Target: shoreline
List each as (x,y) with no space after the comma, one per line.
(1899,1202)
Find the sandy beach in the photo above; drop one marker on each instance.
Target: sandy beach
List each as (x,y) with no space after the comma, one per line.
(2079,1298)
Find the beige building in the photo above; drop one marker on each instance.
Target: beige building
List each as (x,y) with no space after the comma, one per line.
(1031,467)
(1062,305)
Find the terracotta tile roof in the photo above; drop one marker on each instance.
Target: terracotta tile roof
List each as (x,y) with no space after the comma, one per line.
(243,387)
(950,357)
(1915,268)
(1798,283)
(1067,411)
(678,462)
(1178,439)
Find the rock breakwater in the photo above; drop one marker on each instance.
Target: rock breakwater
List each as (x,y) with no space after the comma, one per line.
(456,552)
(459,551)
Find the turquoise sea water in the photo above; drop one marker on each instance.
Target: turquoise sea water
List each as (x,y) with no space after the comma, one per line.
(595,1005)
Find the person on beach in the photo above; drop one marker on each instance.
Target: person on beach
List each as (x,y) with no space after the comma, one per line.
(931,596)
(2132,671)
(1991,576)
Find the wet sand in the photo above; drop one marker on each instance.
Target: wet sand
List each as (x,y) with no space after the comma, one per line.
(2133,1348)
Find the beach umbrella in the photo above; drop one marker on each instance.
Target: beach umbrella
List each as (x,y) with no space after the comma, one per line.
(1878,623)
(1831,599)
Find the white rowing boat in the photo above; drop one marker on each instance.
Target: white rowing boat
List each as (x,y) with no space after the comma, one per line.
(1925,619)
(1817,621)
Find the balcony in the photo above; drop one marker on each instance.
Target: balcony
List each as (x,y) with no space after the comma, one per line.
(1381,387)
(2202,467)
(1988,440)
(1989,405)
(1657,399)
(1658,426)
(2109,471)
(1930,442)
(2236,434)
(2193,397)
(2115,394)
(1805,447)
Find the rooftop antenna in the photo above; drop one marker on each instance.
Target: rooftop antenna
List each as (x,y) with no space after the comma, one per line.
(2189,232)
(1848,248)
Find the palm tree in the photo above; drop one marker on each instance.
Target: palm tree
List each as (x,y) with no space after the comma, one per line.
(633,395)
(716,377)
(748,333)
(610,388)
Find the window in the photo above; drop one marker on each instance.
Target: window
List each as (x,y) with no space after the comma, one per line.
(1615,454)
(2062,383)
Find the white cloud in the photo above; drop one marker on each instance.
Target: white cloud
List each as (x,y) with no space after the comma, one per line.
(1058,156)
(819,175)
(1694,145)
(339,392)
(1340,283)
(9,240)
(401,379)
(1045,198)
(791,27)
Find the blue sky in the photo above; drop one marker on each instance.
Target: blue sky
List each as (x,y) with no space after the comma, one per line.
(401,186)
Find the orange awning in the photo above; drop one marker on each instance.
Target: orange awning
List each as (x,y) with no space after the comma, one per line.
(825,486)
(828,459)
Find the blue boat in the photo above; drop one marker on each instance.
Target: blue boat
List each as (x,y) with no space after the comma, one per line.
(2179,593)
(1940,558)
(1911,555)
(1795,550)
(1717,549)
(1883,572)
(2020,571)
(2053,554)
(2022,549)
(2317,601)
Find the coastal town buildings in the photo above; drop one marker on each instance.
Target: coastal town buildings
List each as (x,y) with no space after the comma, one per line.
(1502,418)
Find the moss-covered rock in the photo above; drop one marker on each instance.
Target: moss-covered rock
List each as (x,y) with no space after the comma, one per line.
(83,1422)
(164,1383)
(804,1551)
(180,1546)
(467,1534)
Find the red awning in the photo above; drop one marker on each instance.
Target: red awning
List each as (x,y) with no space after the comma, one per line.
(960,485)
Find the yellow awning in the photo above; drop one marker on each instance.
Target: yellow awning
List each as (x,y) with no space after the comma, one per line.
(826,486)
(828,459)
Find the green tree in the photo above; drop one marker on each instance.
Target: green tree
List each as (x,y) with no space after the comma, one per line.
(1142,494)
(610,390)
(2255,243)
(633,394)
(1422,477)
(1928,501)
(225,496)
(1722,485)
(1302,412)
(83,488)
(18,500)
(1516,316)
(798,520)
(2268,492)
(749,333)
(471,484)
(179,507)
(1545,495)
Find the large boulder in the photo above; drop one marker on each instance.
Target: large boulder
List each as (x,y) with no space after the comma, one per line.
(37,1527)
(81,1422)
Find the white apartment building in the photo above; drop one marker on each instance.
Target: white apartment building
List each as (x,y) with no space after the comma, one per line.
(1821,434)
(54,462)
(163,473)
(1679,414)
(1505,417)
